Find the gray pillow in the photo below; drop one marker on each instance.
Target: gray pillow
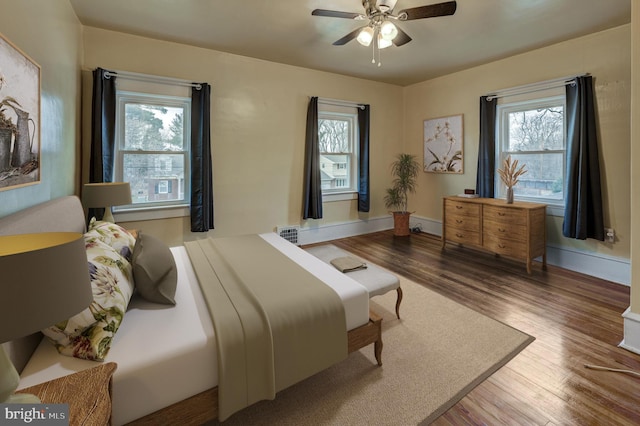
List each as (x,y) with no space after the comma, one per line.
(154,270)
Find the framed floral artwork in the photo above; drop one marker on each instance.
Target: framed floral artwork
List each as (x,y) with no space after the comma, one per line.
(19,118)
(443,141)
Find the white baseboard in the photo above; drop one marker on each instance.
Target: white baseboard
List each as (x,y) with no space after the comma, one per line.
(631,340)
(333,231)
(615,269)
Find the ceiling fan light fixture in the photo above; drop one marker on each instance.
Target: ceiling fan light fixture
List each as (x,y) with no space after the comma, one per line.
(365,36)
(388,31)
(383,43)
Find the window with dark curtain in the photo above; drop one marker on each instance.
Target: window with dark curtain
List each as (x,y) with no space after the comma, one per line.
(103,118)
(312,190)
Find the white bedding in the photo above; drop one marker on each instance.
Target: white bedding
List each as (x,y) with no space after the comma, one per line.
(167,353)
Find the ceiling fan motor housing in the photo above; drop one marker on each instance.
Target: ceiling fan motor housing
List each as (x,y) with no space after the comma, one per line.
(386,5)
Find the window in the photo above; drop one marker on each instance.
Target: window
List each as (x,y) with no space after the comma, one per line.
(152,148)
(533,132)
(337,135)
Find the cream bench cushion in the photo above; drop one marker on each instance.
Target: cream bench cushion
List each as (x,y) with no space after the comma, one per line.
(376,280)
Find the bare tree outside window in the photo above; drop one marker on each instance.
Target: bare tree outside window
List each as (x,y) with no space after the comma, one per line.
(534,134)
(335,139)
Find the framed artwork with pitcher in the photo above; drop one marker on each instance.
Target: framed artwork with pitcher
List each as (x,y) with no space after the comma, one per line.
(19,117)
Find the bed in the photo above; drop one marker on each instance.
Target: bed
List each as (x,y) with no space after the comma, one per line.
(167,356)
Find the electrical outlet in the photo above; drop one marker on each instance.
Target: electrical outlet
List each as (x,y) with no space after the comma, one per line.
(609,235)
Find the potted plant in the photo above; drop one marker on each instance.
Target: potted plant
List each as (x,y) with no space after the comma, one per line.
(405,172)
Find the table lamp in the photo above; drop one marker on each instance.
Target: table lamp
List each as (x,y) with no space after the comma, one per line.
(44,279)
(107,195)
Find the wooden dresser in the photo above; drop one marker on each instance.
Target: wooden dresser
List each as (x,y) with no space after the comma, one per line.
(515,230)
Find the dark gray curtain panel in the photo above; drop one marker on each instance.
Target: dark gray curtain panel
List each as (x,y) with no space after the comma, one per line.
(583,215)
(312,191)
(485,178)
(103,131)
(201,163)
(364,198)
(103,127)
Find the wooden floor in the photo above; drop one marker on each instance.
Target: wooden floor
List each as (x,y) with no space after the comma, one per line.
(576,320)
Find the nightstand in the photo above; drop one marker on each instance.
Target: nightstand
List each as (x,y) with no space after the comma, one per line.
(87,392)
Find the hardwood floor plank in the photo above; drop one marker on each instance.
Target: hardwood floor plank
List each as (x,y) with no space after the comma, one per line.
(576,320)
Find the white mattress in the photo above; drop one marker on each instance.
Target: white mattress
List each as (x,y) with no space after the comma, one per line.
(167,353)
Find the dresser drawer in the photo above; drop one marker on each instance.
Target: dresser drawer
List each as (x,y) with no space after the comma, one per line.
(516,249)
(462,236)
(461,222)
(459,208)
(505,229)
(505,215)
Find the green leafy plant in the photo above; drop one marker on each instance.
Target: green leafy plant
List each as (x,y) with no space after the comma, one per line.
(405,171)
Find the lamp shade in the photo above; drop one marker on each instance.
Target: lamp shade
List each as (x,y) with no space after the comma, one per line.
(106,194)
(44,279)
(365,36)
(388,31)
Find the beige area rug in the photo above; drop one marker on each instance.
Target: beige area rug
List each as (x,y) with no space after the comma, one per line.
(432,357)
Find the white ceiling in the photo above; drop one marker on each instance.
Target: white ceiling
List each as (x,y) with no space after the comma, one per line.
(284,31)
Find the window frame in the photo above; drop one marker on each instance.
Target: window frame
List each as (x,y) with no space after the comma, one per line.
(556,206)
(124,97)
(350,115)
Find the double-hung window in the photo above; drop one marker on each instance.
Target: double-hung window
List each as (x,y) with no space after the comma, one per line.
(534,133)
(152,148)
(337,137)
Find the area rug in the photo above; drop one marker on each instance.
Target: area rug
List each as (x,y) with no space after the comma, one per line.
(434,355)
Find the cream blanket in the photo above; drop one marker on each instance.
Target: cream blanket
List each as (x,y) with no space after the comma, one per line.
(275,323)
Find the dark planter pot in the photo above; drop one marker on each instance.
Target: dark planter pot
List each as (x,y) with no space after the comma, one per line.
(401,224)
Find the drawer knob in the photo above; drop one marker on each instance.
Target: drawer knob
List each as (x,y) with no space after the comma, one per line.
(458,207)
(458,221)
(501,230)
(501,246)
(501,214)
(459,235)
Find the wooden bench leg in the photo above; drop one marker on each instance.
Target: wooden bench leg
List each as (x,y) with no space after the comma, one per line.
(366,334)
(398,302)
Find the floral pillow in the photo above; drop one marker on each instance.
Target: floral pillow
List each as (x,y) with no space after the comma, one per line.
(88,335)
(113,235)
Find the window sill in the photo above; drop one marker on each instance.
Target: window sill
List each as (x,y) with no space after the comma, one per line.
(341,196)
(151,214)
(552,209)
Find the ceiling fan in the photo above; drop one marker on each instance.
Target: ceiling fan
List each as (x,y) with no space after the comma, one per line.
(381,30)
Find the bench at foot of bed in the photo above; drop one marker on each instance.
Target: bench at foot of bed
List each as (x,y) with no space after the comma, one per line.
(203,407)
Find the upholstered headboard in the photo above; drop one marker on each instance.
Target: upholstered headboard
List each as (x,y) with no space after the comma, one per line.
(63,214)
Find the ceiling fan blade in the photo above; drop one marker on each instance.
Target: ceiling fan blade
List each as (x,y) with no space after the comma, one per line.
(429,11)
(402,38)
(337,14)
(346,39)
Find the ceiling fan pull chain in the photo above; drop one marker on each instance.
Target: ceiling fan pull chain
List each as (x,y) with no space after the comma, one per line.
(373,52)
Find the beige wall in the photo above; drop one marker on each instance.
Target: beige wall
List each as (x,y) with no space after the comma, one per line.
(257,130)
(49,33)
(605,55)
